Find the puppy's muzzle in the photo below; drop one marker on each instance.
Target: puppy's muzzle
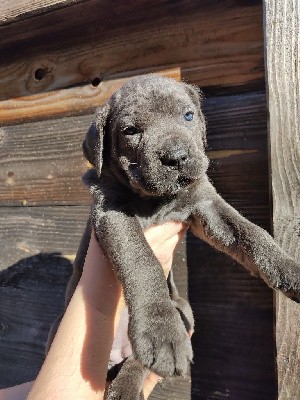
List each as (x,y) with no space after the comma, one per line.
(175,157)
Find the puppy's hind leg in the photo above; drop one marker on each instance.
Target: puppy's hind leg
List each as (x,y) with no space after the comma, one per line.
(128,384)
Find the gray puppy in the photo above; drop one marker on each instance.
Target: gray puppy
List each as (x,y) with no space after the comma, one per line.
(147,148)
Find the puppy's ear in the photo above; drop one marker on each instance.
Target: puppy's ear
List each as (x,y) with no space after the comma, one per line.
(93,143)
(196,95)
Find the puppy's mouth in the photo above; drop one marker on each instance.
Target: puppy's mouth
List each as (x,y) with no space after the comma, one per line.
(156,180)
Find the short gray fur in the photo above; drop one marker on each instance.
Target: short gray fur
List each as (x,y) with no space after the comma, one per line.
(150,166)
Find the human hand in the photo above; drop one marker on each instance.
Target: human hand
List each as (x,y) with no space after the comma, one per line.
(76,365)
(163,240)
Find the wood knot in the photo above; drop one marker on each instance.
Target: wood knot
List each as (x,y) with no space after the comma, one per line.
(41,75)
(10,178)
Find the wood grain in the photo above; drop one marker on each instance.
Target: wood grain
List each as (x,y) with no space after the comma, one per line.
(16,10)
(237,148)
(26,231)
(65,102)
(213,43)
(41,162)
(282,22)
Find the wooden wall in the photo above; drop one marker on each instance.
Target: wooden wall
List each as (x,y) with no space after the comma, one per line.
(59,59)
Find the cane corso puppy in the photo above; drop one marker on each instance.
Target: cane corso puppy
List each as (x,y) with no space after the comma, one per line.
(146,145)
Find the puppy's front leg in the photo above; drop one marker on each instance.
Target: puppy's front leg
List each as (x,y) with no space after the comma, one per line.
(157,334)
(216,222)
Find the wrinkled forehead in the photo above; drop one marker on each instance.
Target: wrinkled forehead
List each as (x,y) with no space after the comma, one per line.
(151,95)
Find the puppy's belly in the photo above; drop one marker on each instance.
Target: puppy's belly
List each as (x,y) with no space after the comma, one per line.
(121,348)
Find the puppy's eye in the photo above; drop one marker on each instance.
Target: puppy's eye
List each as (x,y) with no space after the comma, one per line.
(130,130)
(188,116)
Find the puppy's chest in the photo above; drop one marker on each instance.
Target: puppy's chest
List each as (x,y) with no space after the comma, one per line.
(165,214)
(151,211)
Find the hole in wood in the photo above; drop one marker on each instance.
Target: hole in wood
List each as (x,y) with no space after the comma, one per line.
(96,81)
(39,74)
(10,178)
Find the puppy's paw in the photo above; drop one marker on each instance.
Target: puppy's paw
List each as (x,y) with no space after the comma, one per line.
(159,339)
(128,384)
(123,391)
(289,280)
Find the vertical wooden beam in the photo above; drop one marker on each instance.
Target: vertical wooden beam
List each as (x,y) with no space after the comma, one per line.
(282,32)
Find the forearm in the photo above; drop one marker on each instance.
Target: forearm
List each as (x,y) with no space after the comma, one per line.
(76,364)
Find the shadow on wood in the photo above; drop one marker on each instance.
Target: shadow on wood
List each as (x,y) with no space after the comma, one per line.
(31,296)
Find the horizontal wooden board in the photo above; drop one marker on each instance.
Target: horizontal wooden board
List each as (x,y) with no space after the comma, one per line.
(238,149)
(65,102)
(26,231)
(16,10)
(42,162)
(216,43)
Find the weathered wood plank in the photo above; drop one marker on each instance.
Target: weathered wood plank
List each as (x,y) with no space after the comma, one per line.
(26,231)
(215,44)
(282,23)
(237,148)
(65,102)
(42,162)
(16,10)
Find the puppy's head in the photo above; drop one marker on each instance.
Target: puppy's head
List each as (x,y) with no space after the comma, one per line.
(151,134)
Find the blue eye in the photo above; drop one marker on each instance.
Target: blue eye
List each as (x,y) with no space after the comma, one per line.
(189,116)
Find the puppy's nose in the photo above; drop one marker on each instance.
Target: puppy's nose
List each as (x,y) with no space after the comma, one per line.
(174,157)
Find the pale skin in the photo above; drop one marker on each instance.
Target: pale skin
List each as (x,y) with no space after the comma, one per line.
(76,364)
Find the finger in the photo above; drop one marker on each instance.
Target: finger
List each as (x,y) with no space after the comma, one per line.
(164,231)
(165,252)
(175,239)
